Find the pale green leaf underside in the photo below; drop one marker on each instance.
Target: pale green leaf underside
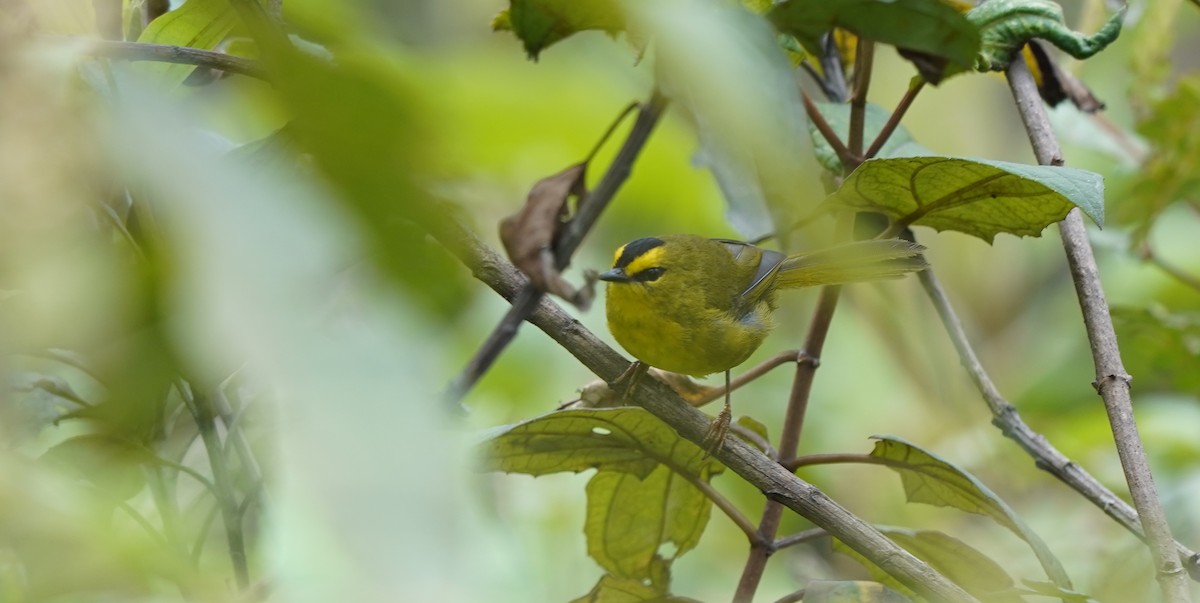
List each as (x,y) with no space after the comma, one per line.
(931,480)
(977,197)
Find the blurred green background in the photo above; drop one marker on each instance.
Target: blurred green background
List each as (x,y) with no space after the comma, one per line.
(152,235)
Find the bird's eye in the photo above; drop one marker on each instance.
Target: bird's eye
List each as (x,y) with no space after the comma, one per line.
(649,274)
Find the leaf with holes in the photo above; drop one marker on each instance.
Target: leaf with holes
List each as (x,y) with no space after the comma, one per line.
(611,589)
(643,496)
(625,439)
(977,197)
(635,524)
(931,480)
(837,115)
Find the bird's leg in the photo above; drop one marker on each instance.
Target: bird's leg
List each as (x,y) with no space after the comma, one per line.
(715,438)
(630,377)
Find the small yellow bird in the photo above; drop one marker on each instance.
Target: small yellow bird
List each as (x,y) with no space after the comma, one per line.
(697,306)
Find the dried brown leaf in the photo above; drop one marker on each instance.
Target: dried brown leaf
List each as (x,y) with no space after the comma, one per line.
(529,235)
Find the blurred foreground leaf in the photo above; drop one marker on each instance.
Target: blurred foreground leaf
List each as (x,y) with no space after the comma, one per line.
(931,480)
(976,197)
(723,69)
(199,24)
(361,117)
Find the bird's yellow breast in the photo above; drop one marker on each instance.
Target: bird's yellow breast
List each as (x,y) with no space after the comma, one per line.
(677,333)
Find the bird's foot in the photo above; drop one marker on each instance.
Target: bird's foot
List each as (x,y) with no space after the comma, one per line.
(715,438)
(627,381)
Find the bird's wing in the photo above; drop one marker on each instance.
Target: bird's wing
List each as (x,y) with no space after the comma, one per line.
(768,262)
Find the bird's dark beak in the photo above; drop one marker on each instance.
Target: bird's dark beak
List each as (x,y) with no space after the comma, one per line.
(616,275)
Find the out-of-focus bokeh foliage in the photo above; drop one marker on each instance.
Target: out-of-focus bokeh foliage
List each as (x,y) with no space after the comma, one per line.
(178,244)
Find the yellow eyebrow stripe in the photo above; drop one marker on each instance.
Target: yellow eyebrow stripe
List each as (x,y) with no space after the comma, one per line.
(617,255)
(650,259)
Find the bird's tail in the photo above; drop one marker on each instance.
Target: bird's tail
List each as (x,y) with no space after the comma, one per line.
(851,262)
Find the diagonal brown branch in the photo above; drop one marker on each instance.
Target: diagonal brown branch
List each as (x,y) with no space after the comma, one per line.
(589,211)
(1112,382)
(1009,421)
(764,473)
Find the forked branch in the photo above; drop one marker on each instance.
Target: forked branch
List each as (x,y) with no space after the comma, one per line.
(1112,382)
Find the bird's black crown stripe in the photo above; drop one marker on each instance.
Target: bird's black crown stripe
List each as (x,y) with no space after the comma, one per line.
(635,249)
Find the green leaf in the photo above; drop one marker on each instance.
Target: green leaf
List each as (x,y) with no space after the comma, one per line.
(1172,171)
(199,24)
(540,23)
(951,557)
(931,480)
(638,501)
(977,197)
(927,26)
(850,591)
(837,115)
(625,439)
(1007,25)
(611,589)
(629,519)
(1049,589)
(958,561)
(1168,348)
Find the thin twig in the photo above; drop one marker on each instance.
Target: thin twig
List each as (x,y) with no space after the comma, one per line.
(1112,381)
(864,59)
(758,370)
(725,505)
(1147,254)
(181,55)
(202,535)
(1009,421)
(202,409)
(574,231)
(832,458)
(808,535)
(894,120)
(789,439)
(822,126)
(760,471)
